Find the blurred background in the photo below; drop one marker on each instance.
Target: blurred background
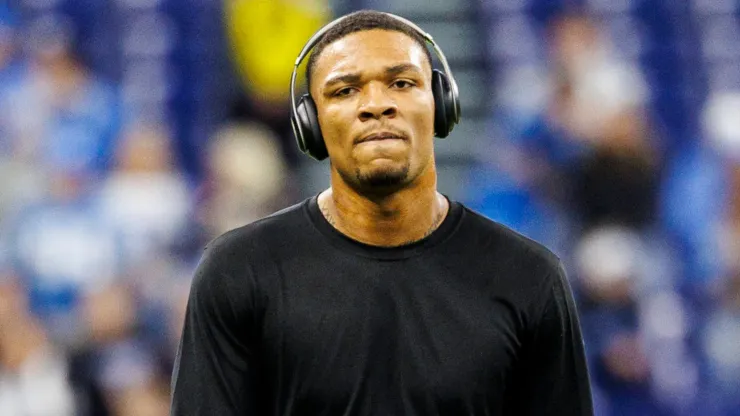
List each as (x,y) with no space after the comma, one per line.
(134,131)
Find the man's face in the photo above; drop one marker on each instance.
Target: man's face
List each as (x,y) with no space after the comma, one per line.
(376,109)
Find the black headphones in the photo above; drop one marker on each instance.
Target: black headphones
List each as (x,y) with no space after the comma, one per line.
(305,119)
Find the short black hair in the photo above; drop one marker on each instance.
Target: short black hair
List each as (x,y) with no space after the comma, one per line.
(357,22)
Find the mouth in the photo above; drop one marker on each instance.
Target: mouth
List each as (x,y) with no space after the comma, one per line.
(383,135)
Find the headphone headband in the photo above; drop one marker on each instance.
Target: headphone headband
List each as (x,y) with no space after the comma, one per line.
(316,38)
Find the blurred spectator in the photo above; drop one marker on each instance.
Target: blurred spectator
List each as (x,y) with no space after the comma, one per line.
(275,29)
(596,86)
(617,180)
(63,249)
(634,323)
(702,209)
(33,372)
(61,117)
(246,178)
(594,101)
(144,196)
(131,381)
(587,157)
(697,193)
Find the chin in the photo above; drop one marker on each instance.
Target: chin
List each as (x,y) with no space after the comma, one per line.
(382,177)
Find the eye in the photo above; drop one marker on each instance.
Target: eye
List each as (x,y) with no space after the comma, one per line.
(402,84)
(344,92)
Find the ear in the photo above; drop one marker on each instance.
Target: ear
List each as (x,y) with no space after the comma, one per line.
(443,104)
(312,142)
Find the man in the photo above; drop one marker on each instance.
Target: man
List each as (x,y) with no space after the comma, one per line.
(378,296)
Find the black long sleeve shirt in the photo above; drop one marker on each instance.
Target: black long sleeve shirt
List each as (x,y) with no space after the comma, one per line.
(287,316)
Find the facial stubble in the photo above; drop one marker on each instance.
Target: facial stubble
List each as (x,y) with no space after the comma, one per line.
(377,179)
(383,178)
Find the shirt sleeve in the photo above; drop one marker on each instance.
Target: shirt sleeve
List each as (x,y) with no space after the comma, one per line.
(553,376)
(214,367)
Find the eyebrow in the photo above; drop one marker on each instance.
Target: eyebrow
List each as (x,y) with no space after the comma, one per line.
(401,68)
(348,79)
(389,71)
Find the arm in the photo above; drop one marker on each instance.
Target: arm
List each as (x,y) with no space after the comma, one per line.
(214,367)
(553,377)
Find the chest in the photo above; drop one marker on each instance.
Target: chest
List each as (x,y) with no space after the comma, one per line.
(421,330)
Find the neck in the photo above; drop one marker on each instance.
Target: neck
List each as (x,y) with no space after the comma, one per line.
(393,219)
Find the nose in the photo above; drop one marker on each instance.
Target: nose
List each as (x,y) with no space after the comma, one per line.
(377,104)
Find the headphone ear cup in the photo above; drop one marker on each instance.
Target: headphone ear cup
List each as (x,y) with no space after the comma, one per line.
(443,104)
(312,141)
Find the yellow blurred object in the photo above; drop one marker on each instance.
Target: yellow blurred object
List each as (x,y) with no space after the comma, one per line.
(266,36)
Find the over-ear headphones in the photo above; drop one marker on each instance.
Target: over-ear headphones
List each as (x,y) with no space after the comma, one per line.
(305,120)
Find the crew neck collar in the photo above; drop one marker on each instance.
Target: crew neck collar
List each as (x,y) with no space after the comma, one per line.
(445,229)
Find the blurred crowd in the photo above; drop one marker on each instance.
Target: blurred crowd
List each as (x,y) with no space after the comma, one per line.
(649,230)
(101,227)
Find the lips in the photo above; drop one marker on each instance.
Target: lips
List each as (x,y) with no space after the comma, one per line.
(381,136)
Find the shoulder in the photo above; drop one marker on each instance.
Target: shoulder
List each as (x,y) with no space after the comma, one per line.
(271,230)
(236,253)
(525,272)
(503,244)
